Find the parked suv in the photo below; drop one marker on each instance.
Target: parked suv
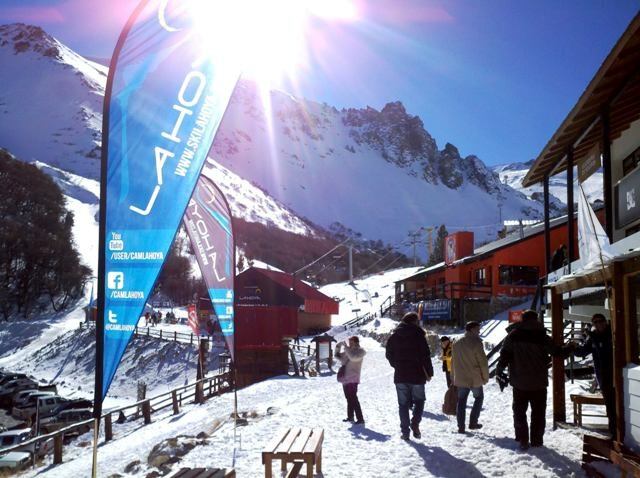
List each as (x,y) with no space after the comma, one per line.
(15,437)
(42,402)
(11,387)
(66,418)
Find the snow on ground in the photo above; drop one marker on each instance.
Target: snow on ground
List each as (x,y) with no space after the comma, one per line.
(373,450)
(360,298)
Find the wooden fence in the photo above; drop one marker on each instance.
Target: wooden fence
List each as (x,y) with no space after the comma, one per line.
(196,392)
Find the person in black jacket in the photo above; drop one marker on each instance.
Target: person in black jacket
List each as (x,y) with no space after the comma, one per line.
(526,351)
(599,343)
(409,355)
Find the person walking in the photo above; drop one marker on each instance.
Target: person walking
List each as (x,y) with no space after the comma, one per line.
(409,355)
(351,357)
(526,352)
(470,372)
(445,343)
(599,344)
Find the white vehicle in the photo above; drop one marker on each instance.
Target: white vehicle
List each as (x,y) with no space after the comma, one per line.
(22,398)
(15,437)
(15,460)
(42,402)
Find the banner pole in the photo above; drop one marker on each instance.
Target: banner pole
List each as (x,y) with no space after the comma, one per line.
(94,467)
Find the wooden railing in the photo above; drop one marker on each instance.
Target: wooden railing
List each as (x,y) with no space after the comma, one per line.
(196,392)
(166,335)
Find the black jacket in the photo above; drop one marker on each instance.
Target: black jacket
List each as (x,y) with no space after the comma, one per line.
(527,352)
(409,354)
(600,345)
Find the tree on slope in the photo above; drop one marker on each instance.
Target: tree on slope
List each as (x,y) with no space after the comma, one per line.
(39,265)
(437,255)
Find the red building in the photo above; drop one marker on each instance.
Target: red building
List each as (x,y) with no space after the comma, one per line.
(271,308)
(506,268)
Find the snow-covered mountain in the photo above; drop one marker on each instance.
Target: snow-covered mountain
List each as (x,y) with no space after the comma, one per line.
(377,172)
(512,175)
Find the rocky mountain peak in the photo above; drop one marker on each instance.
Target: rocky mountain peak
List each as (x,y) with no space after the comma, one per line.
(24,38)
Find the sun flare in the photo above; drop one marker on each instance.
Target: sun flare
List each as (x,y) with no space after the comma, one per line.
(267,40)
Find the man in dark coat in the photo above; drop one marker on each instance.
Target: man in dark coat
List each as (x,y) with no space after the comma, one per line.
(599,344)
(526,351)
(409,355)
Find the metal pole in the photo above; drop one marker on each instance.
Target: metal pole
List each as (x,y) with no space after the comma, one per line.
(570,209)
(606,169)
(547,227)
(351,263)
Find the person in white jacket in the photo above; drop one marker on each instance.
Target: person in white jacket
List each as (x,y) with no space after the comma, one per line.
(351,357)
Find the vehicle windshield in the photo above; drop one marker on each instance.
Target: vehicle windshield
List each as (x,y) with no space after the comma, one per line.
(6,441)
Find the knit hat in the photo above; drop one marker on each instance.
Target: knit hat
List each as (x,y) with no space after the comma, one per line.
(444,338)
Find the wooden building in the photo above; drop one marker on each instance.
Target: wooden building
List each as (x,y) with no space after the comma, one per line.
(272,308)
(604,126)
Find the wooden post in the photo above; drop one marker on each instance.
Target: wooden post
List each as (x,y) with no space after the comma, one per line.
(302,367)
(174,399)
(57,448)
(146,411)
(191,340)
(199,393)
(619,349)
(175,336)
(318,358)
(160,334)
(557,332)
(308,350)
(108,427)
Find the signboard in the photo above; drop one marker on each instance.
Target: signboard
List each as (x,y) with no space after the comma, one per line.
(438,309)
(628,199)
(208,224)
(590,164)
(165,97)
(450,249)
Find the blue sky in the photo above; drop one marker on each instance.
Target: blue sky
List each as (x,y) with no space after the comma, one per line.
(493,77)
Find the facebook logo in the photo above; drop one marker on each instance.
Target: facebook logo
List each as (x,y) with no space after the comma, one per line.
(115,280)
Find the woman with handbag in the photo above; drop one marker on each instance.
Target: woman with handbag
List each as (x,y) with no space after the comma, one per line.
(349,376)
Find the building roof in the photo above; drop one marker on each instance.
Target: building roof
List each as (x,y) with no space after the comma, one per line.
(314,300)
(616,88)
(491,247)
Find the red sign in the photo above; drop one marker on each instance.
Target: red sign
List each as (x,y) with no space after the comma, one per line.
(193,319)
(515,316)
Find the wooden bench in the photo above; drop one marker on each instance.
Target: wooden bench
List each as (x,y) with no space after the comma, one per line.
(579,400)
(204,473)
(297,446)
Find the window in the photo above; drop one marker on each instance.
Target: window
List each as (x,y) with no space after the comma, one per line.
(518,275)
(480,276)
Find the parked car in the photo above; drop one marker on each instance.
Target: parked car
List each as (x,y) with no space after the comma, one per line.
(10,388)
(7,376)
(66,418)
(42,402)
(15,460)
(73,403)
(15,437)
(22,397)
